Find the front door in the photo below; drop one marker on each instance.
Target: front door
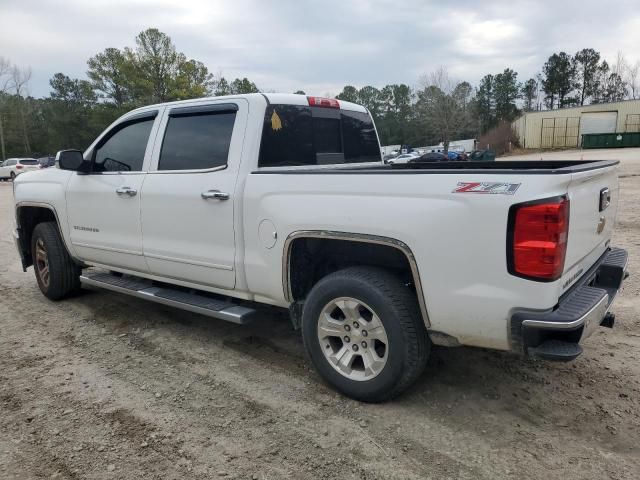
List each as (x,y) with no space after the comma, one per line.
(188,198)
(103,206)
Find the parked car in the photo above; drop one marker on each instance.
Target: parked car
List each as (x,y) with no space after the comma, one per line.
(431,157)
(12,167)
(404,158)
(46,162)
(220,205)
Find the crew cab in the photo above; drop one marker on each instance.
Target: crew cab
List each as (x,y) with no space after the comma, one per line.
(219,205)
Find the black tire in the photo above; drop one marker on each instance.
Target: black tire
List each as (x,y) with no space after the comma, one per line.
(12,176)
(64,274)
(396,306)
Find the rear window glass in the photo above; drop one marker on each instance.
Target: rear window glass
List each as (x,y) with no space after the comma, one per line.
(298,135)
(28,162)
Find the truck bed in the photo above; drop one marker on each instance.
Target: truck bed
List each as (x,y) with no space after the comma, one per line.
(529,167)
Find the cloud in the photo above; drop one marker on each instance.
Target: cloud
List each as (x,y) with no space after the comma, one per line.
(319,47)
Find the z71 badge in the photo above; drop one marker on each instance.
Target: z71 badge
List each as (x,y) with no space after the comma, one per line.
(498,188)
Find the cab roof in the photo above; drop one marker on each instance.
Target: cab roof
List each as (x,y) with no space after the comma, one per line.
(275,98)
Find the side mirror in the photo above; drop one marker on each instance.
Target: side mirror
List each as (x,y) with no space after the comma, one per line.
(71,160)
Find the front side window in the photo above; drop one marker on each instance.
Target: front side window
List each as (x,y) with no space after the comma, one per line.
(197,141)
(124,147)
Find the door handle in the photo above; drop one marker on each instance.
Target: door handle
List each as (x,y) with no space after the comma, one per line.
(215,194)
(126,191)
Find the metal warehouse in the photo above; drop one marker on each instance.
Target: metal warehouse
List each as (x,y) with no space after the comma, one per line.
(563,128)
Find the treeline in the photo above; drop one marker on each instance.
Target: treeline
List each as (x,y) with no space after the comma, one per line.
(437,110)
(77,110)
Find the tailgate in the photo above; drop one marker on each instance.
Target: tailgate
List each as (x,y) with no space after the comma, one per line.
(593,197)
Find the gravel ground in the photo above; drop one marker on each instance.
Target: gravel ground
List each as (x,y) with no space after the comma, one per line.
(106,386)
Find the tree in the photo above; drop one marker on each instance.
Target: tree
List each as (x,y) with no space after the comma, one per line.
(5,69)
(559,80)
(110,73)
(485,103)
(506,92)
(529,93)
(156,72)
(69,110)
(348,94)
(395,115)
(244,85)
(440,109)
(586,63)
(371,98)
(20,84)
(632,78)
(615,88)
(156,63)
(193,80)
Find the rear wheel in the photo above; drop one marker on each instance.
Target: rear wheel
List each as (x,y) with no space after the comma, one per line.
(56,273)
(363,331)
(12,176)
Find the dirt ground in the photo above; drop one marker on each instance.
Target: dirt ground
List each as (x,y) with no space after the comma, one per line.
(104,386)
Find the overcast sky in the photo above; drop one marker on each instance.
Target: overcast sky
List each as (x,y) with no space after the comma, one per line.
(320,46)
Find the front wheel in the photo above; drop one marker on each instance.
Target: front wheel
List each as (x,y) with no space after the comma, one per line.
(363,331)
(56,273)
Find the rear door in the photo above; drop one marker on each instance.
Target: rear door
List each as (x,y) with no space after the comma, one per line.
(188,199)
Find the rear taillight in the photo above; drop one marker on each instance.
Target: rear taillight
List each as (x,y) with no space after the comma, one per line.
(537,239)
(323,102)
(18,167)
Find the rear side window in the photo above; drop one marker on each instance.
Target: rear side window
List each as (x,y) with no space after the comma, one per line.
(28,162)
(197,141)
(295,135)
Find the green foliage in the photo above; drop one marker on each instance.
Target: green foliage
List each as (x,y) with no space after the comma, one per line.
(529,94)
(236,87)
(111,76)
(587,69)
(506,92)
(559,80)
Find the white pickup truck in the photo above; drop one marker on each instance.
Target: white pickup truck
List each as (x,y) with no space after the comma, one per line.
(217,205)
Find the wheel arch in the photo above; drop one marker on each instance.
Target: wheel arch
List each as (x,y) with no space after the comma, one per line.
(28,215)
(291,259)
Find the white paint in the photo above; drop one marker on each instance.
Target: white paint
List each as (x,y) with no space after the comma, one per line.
(458,240)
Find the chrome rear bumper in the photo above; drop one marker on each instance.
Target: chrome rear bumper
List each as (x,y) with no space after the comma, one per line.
(578,313)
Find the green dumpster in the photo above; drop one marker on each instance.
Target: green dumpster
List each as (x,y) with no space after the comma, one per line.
(611,140)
